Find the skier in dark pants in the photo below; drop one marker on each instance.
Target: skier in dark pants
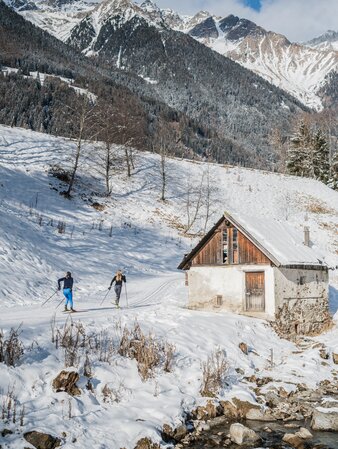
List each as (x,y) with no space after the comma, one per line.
(118,279)
(67,290)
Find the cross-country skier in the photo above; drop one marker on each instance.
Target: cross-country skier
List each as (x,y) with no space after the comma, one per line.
(67,290)
(118,279)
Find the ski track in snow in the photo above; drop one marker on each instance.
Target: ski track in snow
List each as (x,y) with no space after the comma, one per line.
(148,248)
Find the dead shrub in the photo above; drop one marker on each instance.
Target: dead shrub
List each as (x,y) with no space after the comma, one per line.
(77,344)
(111,394)
(98,206)
(318,207)
(11,348)
(60,173)
(214,373)
(9,408)
(148,352)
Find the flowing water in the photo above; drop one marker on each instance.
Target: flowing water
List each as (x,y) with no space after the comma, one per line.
(270,439)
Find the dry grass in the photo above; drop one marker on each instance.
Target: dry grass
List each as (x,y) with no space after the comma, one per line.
(11,348)
(318,207)
(98,206)
(148,352)
(214,372)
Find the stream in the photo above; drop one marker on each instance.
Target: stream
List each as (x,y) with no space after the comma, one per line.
(270,438)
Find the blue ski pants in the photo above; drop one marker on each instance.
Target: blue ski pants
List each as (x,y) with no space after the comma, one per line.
(69,296)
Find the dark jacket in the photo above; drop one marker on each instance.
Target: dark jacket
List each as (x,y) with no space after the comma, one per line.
(118,282)
(67,282)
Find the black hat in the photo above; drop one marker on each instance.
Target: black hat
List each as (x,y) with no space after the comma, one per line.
(69,273)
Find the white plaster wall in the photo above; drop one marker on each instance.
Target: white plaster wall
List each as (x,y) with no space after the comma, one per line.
(288,289)
(206,282)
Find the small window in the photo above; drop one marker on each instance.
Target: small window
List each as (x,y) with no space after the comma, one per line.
(302,280)
(225,245)
(235,245)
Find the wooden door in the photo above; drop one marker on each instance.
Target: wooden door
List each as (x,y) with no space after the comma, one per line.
(254,291)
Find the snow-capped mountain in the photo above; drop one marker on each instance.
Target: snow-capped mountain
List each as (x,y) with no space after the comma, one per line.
(300,69)
(327,41)
(296,68)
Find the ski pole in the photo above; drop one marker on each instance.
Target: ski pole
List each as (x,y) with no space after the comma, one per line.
(105,296)
(49,298)
(125,286)
(60,303)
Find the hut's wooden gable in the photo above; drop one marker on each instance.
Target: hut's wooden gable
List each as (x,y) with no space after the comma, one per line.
(228,246)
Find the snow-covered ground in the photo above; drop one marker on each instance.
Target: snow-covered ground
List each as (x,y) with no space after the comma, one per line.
(139,233)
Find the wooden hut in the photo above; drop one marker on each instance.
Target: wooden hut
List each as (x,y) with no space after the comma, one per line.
(262,268)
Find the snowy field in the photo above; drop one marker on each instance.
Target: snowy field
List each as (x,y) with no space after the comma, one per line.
(139,233)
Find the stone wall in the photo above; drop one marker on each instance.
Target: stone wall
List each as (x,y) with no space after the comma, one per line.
(302,302)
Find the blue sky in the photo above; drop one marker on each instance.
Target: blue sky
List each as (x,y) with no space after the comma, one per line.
(254,4)
(298,20)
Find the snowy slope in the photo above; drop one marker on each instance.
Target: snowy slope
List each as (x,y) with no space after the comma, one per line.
(146,241)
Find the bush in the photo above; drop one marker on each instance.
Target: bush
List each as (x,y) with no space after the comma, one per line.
(215,372)
(148,352)
(11,349)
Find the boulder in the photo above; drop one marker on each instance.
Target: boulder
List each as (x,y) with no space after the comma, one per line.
(146,443)
(229,410)
(294,441)
(208,411)
(66,381)
(42,440)
(254,414)
(244,348)
(335,358)
(243,407)
(240,434)
(325,419)
(304,434)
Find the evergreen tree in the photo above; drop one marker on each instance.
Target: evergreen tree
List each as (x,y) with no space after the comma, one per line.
(333,181)
(321,157)
(299,157)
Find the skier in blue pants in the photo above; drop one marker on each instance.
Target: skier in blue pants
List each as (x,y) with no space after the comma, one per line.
(67,290)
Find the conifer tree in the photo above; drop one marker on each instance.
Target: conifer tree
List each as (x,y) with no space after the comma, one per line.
(321,157)
(299,156)
(333,180)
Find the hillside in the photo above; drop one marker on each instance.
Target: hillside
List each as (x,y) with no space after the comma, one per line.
(222,108)
(135,231)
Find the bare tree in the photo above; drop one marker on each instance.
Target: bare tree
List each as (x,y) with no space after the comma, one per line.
(80,117)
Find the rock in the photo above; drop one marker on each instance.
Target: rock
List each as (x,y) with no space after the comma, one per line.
(244,348)
(180,432)
(240,434)
(240,371)
(272,399)
(325,419)
(294,441)
(208,411)
(255,414)
(229,410)
(304,434)
(324,354)
(146,443)
(42,440)
(6,432)
(335,358)
(66,381)
(243,407)
(218,421)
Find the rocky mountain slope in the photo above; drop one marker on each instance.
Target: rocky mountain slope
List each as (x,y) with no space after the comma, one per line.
(298,69)
(301,70)
(216,104)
